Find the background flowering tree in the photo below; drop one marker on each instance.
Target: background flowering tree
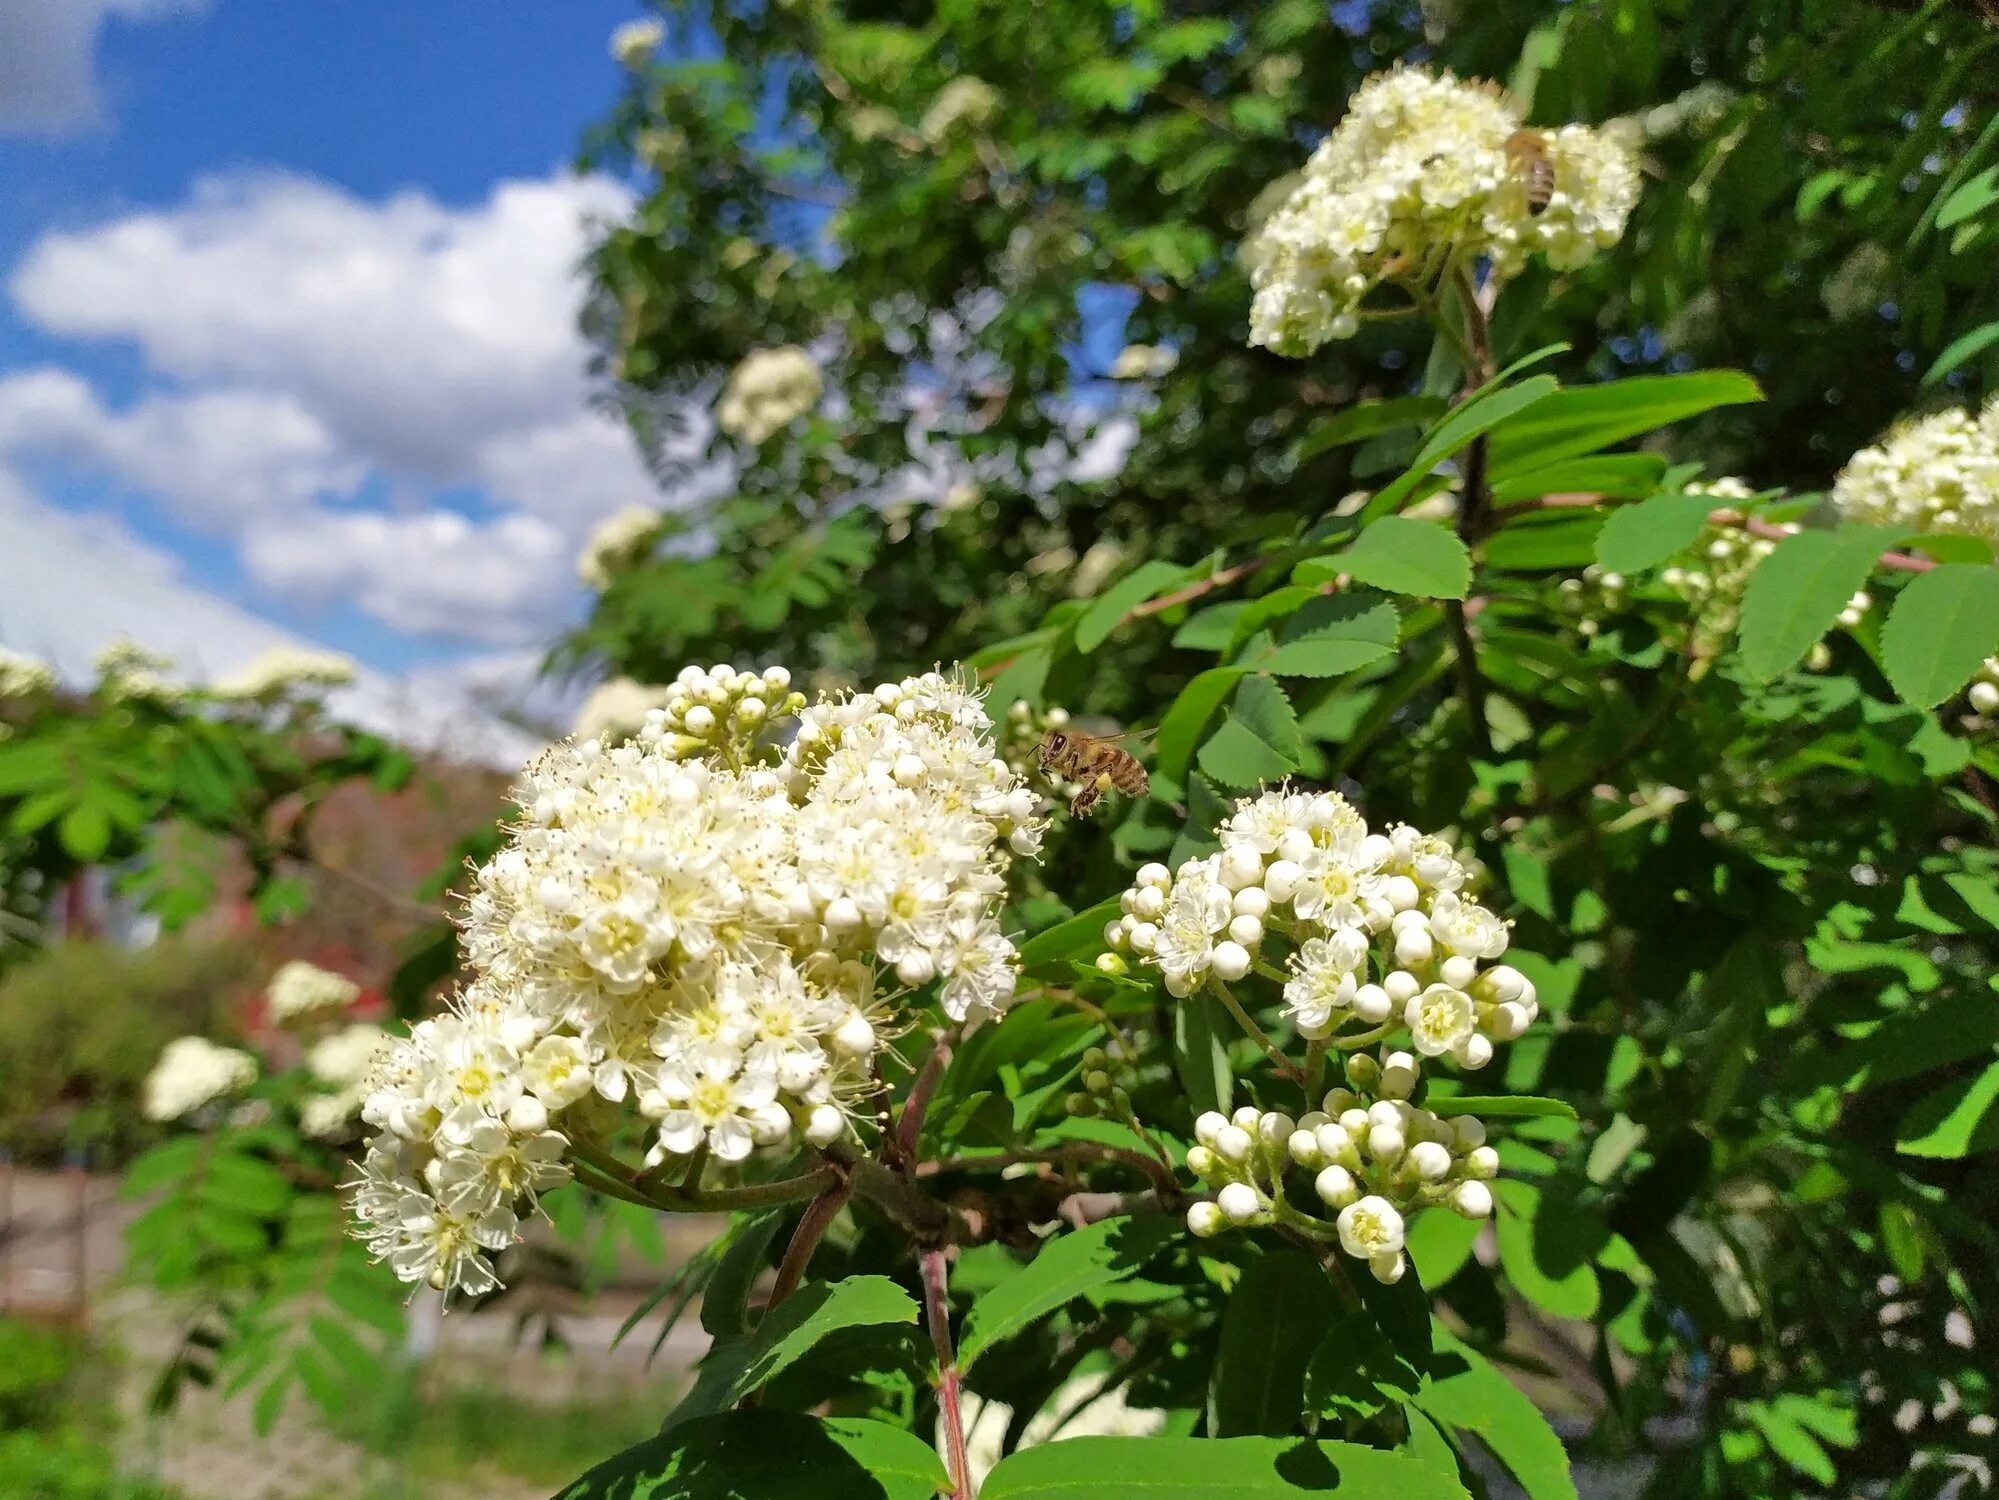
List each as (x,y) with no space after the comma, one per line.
(1559,936)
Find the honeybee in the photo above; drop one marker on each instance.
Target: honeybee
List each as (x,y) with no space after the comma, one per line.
(1096,763)
(1527,150)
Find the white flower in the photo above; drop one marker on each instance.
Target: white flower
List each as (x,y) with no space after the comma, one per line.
(709,1097)
(301,991)
(1938,475)
(1440,1019)
(1322,984)
(1419,173)
(347,1056)
(282,668)
(634,43)
(1198,910)
(615,545)
(557,1071)
(193,1071)
(767,391)
(1370,1226)
(24,676)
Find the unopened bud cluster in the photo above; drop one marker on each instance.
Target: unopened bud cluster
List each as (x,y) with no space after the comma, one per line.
(1376,929)
(1367,1160)
(720,711)
(1715,571)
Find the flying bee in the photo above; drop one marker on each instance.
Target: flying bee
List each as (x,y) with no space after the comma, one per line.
(1527,151)
(1095,763)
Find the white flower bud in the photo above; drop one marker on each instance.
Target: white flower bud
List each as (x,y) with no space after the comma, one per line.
(1155,874)
(1336,1187)
(1509,1021)
(1252,901)
(1501,983)
(1147,902)
(1248,931)
(1473,1199)
(916,967)
(1387,1269)
(1402,893)
(909,770)
(1354,1122)
(1468,1131)
(1295,845)
(1457,971)
(1280,880)
(842,915)
(1398,1075)
(1230,961)
(1201,1162)
(824,1125)
(1430,1161)
(1248,1116)
(1474,1052)
(700,719)
(1336,1145)
(855,1036)
(1209,1126)
(1275,1129)
(1234,1144)
(1413,946)
(527,1116)
(1337,1102)
(1144,937)
(1482,1163)
(1400,985)
(1241,867)
(777,679)
(1385,1143)
(1304,1148)
(1240,1202)
(1206,1220)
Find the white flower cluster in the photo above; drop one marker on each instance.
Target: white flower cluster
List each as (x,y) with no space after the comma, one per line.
(1717,569)
(282,669)
(634,43)
(301,991)
(1374,1164)
(768,391)
(964,101)
(615,545)
(342,1062)
(1381,929)
(193,1071)
(616,710)
(1939,474)
(24,676)
(1417,177)
(711,925)
(1984,689)
(125,669)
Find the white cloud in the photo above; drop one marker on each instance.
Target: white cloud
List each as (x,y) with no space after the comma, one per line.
(417,332)
(218,455)
(315,350)
(435,572)
(47,52)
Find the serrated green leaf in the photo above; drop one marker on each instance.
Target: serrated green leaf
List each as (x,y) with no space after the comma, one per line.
(1400,556)
(1181,728)
(1174,1468)
(1147,581)
(1370,418)
(1073,936)
(1641,536)
(742,1455)
(1483,1402)
(1944,625)
(1063,1268)
(1497,404)
(1797,592)
(1259,741)
(1584,419)
(1278,1313)
(1201,1029)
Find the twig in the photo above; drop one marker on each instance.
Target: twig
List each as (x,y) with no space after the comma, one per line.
(909,1127)
(612,1176)
(937,1312)
(1261,1037)
(1070,1151)
(812,1224)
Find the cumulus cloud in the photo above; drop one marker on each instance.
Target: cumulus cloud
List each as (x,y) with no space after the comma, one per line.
(48,50)
(315,351)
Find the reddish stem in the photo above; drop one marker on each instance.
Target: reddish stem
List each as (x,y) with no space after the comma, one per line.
(812,1225)
(937,1310)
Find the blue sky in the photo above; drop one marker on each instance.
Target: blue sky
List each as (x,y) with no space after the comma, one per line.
(285,296)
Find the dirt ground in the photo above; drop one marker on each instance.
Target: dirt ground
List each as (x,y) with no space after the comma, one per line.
(60,1255)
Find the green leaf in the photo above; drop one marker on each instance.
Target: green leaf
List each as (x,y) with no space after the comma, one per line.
(1584,419)
(1180,729)
(86,831)
(1541,1268)
(1277,1315)
(1402,556)
(1945,623)
(1178,1468)
(725,1299)
(1499,1106)
(1258,741)
(1070,938)
(1472,419)
(1201,1029)
(816,1310)
(1356,1371)
(1791,1443)
(1610,475)
(1973,198)
(1641,536)
(1483,1402)
(1370,418)
(1797,592)
(1959,1119)
(1065,1267)
(1439,1243)
(751,1455)
(1331,634)
(1147,581)
(1212,629)
(1961,351)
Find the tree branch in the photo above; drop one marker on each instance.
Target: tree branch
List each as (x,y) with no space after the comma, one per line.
(937,1313)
